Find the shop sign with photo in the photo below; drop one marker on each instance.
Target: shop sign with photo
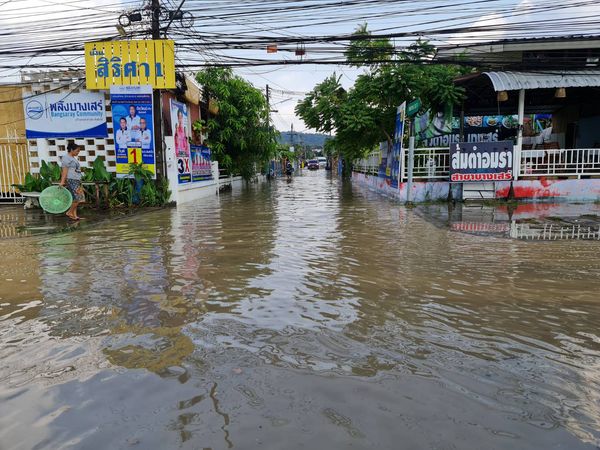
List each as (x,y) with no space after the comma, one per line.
(133,127)
(130,63)
(442,130)
(65,115)
(481,161)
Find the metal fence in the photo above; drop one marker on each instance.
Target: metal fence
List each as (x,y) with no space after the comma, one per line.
(552,232)
(370,164)
(430,163)
(434,163)
(568,162)
(14,164)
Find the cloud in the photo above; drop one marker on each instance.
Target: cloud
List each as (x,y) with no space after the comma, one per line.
(531,19)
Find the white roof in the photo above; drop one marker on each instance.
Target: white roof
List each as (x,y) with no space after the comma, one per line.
(513,81)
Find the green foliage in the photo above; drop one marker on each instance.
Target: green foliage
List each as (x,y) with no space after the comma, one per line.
(152,192)
(238,136)
(139,172)
(97,172)
(32,183)
(283,152)
(163,194)
(330,147)
(121,192)
(372,51)
(49,173)
(365,115)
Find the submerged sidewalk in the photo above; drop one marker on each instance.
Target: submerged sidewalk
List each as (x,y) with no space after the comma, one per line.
(17,222)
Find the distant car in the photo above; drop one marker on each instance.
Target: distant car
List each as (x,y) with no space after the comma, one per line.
(322,161)
(312,164)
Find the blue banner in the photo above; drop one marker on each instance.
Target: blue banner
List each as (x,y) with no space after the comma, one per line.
(391,158)
(201,163)
(65,115)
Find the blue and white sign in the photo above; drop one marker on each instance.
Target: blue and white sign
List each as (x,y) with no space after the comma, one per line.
(65,115)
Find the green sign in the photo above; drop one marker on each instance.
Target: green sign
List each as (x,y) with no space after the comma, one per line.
(413,107)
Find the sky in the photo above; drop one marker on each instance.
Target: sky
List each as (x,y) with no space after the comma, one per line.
(217,23)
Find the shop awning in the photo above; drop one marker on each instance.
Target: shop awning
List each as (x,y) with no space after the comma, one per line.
(513,81)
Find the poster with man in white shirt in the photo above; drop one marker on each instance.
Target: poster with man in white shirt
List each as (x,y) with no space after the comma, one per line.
(122,136)
(134,143)
(145,134)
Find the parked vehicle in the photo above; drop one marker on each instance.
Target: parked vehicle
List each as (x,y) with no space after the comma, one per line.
(312,164)
(322,162)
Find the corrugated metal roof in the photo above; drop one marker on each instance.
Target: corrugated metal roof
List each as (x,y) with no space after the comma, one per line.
(513,81)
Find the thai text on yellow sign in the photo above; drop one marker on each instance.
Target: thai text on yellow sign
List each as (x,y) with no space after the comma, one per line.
(148,62)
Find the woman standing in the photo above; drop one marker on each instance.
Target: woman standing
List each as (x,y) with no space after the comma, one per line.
(71,178)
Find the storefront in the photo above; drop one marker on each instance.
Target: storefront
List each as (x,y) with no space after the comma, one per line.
(552,120)
(117,124)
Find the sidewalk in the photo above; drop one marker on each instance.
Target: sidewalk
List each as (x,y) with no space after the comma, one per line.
(16,222)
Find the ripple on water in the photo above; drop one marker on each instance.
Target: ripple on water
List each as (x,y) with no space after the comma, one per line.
(312,305)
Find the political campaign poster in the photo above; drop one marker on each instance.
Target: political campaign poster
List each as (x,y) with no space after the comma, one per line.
(397,152)
(201,163)
(181,132)
(391,157)
(481,161)
(133,127)
(65,115)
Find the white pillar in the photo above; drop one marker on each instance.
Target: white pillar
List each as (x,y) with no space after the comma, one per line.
(519,146)
(411,164)
(43,153)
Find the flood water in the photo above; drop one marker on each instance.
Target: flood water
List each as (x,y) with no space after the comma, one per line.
(303,315)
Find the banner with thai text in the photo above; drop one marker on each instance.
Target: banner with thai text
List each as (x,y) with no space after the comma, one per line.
(201,163)
(133,63)
(481,161)
(180,123)
(133,127)
(65,115)
(392,157)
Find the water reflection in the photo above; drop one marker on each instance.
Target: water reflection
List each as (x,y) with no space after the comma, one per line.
(292,311)
(527,221)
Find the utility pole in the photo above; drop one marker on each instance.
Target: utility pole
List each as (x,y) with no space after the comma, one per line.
(161,165)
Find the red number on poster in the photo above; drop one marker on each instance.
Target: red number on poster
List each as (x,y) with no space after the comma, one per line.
(134,154)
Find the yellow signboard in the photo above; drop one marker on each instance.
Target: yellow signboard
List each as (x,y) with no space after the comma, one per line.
(130,63)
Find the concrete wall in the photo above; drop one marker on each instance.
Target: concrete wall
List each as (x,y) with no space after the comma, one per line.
(182,193)
(543,189)
(422,191)
(527,190)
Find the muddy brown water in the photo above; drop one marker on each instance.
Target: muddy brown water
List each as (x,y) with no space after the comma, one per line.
(301,315)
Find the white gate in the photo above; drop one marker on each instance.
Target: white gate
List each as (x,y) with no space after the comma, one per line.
(14,164)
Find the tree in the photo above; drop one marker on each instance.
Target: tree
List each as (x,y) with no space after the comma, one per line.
(365,115)
(238,135)
(368,50)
